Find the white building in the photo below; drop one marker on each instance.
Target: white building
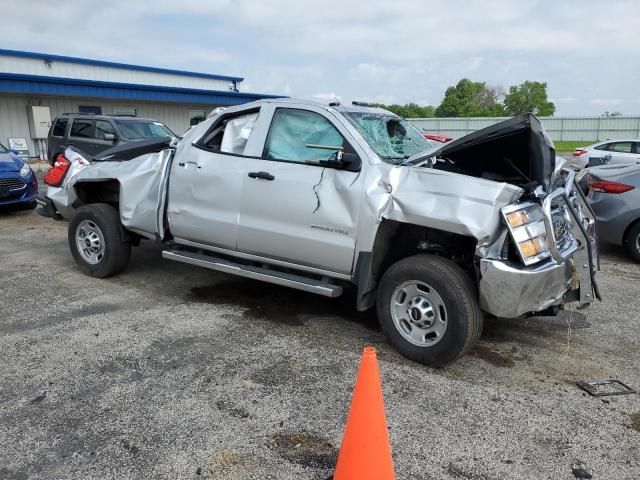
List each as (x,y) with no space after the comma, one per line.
(68,84)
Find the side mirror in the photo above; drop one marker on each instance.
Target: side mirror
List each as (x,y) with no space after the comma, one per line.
(351,161)
(343,159)
(110,137)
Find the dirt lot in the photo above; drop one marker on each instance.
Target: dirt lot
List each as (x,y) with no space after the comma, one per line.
(168,371)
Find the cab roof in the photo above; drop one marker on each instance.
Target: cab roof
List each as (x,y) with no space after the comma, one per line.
(340,107)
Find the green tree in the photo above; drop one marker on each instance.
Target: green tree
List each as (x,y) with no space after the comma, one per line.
(471,99)
(529,97)
(410,110)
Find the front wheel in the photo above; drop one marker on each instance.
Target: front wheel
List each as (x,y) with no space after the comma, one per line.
(96,242)
(428,309)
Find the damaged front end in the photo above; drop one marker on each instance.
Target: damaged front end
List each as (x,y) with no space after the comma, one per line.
(548,259)
(546,254)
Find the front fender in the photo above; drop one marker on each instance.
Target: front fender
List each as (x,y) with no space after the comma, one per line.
(445,201)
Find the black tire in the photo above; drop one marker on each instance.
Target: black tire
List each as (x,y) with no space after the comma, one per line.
(462,314)
(116,252)
(632,242)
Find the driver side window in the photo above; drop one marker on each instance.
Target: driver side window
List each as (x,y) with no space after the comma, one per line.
(293,130)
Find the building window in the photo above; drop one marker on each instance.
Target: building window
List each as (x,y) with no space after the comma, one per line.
(196,116)
(90,109)
(125,111)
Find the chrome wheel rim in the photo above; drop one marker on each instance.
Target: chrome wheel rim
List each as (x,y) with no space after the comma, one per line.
(418,313)
(90,242)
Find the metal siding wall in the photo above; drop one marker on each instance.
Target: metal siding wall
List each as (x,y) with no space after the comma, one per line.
(31,66)
(14,120)
(588,129)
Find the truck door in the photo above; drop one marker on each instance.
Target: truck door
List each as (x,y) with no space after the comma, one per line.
(205,185)
(292,210)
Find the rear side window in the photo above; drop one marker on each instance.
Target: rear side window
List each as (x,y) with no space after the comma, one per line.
(621,147)
(83,129)
(103,127)
(231,133)
(60,127)
(604,146)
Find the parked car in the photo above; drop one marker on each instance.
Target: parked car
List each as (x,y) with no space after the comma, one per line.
(93,134)
(319,197)
(438,137)
(609,151)
(614,194)
(18,183)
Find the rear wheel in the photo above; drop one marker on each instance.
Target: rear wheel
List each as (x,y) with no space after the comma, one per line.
(428,309)
(632,242)
(95,240)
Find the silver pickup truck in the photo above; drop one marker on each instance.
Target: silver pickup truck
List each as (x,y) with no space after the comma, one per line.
(321,197)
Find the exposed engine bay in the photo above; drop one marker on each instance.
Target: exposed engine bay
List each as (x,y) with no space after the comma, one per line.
(516,151)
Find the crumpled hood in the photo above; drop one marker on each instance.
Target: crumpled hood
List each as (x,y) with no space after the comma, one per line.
(442,200)
(519,145)
(10,162)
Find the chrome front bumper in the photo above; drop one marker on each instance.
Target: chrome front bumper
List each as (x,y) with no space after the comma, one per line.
(508,290)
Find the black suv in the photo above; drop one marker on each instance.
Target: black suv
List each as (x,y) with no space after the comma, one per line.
(92,134)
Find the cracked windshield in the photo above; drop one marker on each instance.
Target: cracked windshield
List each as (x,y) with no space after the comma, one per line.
(392,138)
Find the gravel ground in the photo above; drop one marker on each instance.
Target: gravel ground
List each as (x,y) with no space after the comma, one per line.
(168,371)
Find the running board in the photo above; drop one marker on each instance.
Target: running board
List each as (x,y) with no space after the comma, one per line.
(256,273)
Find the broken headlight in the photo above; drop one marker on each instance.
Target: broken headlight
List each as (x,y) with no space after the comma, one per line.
(526,225)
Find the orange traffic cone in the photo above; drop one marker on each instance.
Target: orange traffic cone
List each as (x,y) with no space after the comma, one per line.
(365,452)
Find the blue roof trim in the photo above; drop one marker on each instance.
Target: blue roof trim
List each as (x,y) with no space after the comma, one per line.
(41,85)
(104,63)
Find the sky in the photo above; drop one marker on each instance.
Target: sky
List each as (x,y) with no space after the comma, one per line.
(386,51)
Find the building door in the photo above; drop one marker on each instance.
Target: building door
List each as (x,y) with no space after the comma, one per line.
(90,109)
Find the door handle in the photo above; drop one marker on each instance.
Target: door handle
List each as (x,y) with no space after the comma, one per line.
(263,175)
(184,164)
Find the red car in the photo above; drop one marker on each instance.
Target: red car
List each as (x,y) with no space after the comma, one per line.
(438,137)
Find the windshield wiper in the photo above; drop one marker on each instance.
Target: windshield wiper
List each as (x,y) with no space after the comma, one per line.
(394,160)
(418,157)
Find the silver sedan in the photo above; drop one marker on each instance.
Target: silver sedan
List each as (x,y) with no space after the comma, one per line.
(614,195)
